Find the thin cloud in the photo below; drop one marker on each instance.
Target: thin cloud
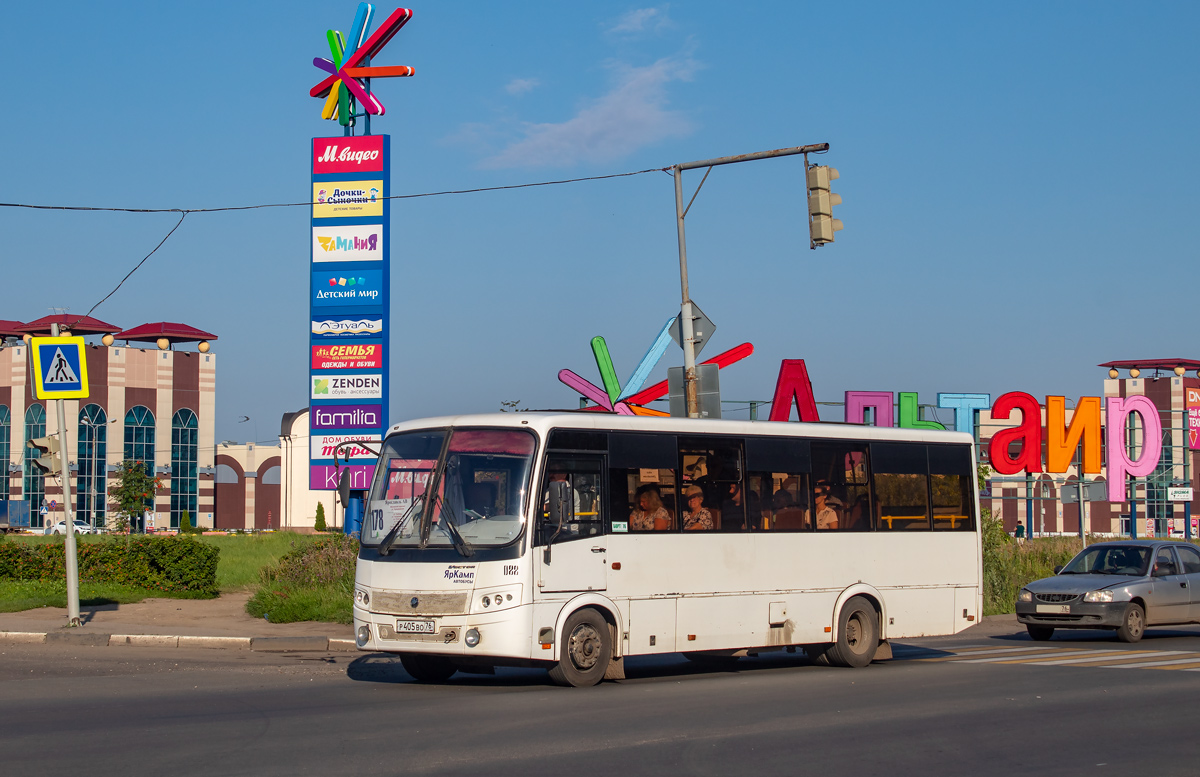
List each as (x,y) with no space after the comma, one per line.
(632,115)
(519,86)
(642,20)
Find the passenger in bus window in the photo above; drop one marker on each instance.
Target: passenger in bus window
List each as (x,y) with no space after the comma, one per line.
(736,506)
(828,507)
(650,514)
(697,517)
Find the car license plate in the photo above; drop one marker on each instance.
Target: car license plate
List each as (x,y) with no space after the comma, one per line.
(1057,609)
(414,627)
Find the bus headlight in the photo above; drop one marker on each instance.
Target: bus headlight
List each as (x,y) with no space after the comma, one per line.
(471,638)
(1098,596)
(1024,595)
(361,598)
(499,598)
(363,636)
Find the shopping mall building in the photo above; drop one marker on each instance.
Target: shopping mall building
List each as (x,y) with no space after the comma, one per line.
(151,398)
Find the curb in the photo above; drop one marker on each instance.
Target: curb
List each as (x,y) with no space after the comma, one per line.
(260,644)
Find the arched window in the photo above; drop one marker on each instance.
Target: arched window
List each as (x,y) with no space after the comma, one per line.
(184,482)
(35,483)
(91,481)
(5,437)
(139,441)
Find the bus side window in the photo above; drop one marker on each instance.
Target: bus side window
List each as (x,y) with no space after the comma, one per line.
(643,499)
(950,486)
(777,484)
(900,471)
(584,516)
(839,479)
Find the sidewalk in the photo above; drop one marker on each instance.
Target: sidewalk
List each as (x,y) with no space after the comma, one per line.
(220,622)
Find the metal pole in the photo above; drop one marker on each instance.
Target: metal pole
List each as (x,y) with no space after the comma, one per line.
(685,309)
(72,562)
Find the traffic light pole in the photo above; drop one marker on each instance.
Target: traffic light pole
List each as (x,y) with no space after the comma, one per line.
(687,333)
(72,560)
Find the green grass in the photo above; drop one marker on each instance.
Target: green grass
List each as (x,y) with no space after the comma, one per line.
(17,595)
(243,555)
(329,603)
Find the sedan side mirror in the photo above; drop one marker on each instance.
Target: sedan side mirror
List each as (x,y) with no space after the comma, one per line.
(1058,569)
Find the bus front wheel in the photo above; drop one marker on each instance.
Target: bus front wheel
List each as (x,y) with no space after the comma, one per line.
(585,651)
(428,669)
(858,634)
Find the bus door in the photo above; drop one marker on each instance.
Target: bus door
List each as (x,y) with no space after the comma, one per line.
(572,553)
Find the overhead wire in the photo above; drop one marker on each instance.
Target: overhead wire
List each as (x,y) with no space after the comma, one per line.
(183,212)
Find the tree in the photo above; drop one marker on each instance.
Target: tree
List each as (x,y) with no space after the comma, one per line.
(319,525)
(185,523)
(133,487)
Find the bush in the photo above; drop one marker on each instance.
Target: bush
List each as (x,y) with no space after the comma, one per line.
(319,524)
(180,566)
(312,582)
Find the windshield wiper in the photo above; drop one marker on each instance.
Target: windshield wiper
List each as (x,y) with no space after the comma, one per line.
(385,547)
(448,525)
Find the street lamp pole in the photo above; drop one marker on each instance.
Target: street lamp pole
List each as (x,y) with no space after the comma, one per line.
(687,333)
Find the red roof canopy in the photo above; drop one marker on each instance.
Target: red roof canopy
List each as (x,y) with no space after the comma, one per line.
(9,328)
(176,333)
(1154,364)
(79,325)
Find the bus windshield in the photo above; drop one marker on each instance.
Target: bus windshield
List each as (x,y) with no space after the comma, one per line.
(466,492)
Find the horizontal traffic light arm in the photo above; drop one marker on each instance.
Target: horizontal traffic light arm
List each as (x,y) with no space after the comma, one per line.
(729,160)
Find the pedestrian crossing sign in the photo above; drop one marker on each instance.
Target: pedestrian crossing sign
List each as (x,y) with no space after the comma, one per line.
(59,367)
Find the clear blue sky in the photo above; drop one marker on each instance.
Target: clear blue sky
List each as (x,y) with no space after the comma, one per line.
(1019,186)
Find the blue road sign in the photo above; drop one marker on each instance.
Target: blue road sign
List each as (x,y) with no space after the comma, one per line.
(59,367)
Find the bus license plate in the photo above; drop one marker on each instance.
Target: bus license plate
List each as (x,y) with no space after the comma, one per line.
(414,627)
(1056,609)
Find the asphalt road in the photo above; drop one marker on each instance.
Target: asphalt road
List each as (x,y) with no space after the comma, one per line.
(972,705)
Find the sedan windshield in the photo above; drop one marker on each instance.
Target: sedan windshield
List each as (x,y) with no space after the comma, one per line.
(466,493)
(1110,560)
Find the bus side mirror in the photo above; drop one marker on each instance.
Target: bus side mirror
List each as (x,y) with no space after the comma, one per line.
(343,488)
(561,509)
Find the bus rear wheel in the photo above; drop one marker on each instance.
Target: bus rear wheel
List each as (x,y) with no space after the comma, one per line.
(428,669)
(858,634)
(585,651)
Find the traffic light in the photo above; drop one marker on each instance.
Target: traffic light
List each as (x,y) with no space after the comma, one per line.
(48,459)
(821,223)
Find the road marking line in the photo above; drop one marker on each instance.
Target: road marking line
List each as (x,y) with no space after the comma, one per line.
(1152,663)
(1112,655)
(1027,659)
(960,656)
(1192,667)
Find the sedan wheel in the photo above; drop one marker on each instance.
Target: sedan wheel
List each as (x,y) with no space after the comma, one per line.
(1133,624)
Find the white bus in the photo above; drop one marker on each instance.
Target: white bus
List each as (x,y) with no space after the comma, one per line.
(573,540)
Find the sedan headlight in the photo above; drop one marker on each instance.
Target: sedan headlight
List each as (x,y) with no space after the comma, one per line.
(1024,595)
(1098,596)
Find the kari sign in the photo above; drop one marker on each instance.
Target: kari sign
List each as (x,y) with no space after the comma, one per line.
(361,154)
(348,244)
(347,387)
(347,417)
(367,356)
(323,446)
(324,477)
(342,199)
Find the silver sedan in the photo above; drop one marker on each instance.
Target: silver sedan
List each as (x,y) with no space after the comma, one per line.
(1125,586)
